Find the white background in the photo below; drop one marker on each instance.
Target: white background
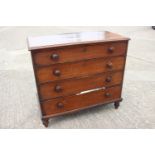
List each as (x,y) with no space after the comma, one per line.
(77,13)
(77,142)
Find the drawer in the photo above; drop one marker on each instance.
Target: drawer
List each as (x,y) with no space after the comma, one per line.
(75,102)
(76,53)
(77,85)
(78,69)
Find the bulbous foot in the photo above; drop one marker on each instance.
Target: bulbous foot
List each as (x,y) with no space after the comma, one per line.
(45,122)
(117,104)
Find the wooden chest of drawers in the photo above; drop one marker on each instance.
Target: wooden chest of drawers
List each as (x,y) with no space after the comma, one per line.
(77,71)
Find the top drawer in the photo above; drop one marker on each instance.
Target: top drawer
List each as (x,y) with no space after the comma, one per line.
(45,57)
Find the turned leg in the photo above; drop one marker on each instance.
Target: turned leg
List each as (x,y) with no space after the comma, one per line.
(117,104)
(45,122)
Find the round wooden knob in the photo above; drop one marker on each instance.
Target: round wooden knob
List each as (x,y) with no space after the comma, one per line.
(108,79)
(60,105)
(55,56)
(111,49)
(109,65)
(57,72)
(107,95)
(58,88)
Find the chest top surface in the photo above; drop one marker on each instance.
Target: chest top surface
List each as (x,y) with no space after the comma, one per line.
(67,39)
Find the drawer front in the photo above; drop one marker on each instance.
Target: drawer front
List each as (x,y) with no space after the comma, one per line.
(76,53)
(73,86)
(78,69)
(75,102)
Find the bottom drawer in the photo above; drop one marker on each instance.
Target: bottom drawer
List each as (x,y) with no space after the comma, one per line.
(80,101)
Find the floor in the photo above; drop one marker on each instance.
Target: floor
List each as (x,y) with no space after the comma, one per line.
(19,106)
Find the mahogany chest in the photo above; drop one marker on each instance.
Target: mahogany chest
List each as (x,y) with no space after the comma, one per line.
(78,71)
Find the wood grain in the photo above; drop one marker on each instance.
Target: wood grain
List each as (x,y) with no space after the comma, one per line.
(73,86)
(66,65)
(68,103)
(80,38)
(78,69)
(45,57)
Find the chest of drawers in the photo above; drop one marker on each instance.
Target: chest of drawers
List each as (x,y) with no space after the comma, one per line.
(78,71)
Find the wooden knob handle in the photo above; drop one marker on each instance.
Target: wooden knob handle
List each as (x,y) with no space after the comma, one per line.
(58,88)
(60,105)
(107,95)
(108,79)
(111,49)
(57,72)
(109,65)
(55,56)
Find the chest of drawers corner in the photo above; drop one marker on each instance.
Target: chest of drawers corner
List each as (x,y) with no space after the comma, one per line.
(78,71)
